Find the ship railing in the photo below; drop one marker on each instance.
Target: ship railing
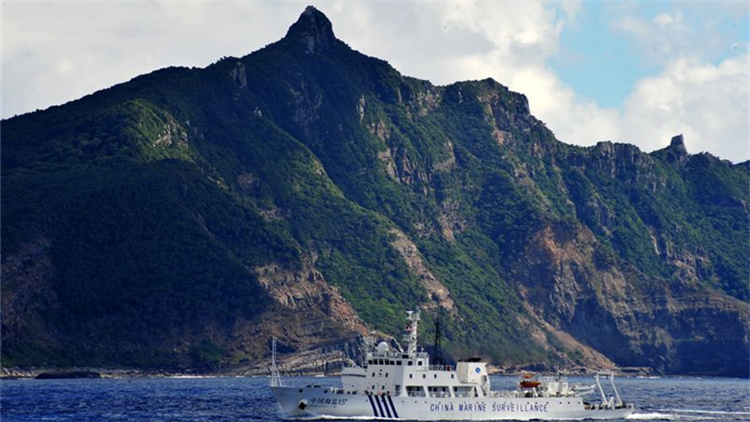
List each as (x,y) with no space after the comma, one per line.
(463,395)
(440,367)
(396,355)
(502,394)
(440,394)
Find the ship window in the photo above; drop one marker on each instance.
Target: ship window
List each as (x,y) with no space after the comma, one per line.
(369,362)
(451,376)
(390,362)
(419,363)
(398,362)
(414,391)
(424,376)
(411,363)
(439,391)
(373,374)
(380,361)
(465,391)
(435,376)
(411,375)
(386,374)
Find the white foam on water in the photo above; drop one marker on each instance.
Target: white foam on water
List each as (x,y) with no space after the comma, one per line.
(333,418)
(190,376)
(709,412)
(651,416)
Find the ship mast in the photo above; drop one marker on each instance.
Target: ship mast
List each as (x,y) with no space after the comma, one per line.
(437,359)
(410,335)
(275,376)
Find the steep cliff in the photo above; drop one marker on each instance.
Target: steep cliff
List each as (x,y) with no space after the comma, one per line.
(312,193)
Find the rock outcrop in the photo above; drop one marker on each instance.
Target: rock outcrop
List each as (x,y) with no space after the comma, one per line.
(311,193)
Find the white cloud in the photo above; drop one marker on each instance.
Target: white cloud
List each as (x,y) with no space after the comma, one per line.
(702,29)
(508,41)
(671,21)
(512,42)
(54,53)
(707,103)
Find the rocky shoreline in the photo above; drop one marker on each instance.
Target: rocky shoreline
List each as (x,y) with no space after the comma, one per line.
(74,373)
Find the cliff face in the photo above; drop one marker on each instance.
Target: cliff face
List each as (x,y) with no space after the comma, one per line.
(634,319)
(311,193)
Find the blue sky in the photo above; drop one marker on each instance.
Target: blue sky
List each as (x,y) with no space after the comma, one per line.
(603,63)
(635,72)
(597,62)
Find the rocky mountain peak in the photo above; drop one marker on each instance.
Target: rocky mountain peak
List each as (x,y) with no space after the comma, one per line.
(677,145)
(311,193)
(313,30)
(675,153)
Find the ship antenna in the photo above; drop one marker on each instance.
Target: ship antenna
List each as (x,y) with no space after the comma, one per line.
(438,350)
(410,335)
(275,376)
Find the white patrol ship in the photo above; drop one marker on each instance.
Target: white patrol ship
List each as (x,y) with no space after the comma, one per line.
(403,385)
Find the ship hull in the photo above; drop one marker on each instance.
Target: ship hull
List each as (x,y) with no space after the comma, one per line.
(311,402)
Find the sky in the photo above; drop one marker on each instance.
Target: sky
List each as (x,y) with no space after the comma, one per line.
(636,72)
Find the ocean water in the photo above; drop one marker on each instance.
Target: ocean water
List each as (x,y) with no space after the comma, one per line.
(249,399)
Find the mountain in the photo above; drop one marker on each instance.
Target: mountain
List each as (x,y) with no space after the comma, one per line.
(309,192)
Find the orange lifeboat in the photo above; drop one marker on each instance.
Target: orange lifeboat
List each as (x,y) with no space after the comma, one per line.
(529,384)
(529,381)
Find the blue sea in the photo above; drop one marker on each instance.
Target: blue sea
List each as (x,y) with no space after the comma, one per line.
(249,399)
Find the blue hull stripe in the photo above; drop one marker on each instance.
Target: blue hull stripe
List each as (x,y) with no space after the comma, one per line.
(395,414)
(385,404)
(374,411)
(382,414)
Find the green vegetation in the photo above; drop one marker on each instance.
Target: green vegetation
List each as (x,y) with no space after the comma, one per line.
(155,200)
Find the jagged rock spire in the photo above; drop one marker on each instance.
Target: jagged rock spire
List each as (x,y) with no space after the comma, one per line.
(313,29)
(678,145)
(676,151)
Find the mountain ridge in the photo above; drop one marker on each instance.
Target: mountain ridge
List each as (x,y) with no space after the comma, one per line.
(312,193)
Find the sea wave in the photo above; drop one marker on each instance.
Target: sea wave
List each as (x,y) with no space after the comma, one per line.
(652,416)
(331,418)
(709,412)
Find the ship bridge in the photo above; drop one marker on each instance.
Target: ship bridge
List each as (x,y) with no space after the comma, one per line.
(408,373)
